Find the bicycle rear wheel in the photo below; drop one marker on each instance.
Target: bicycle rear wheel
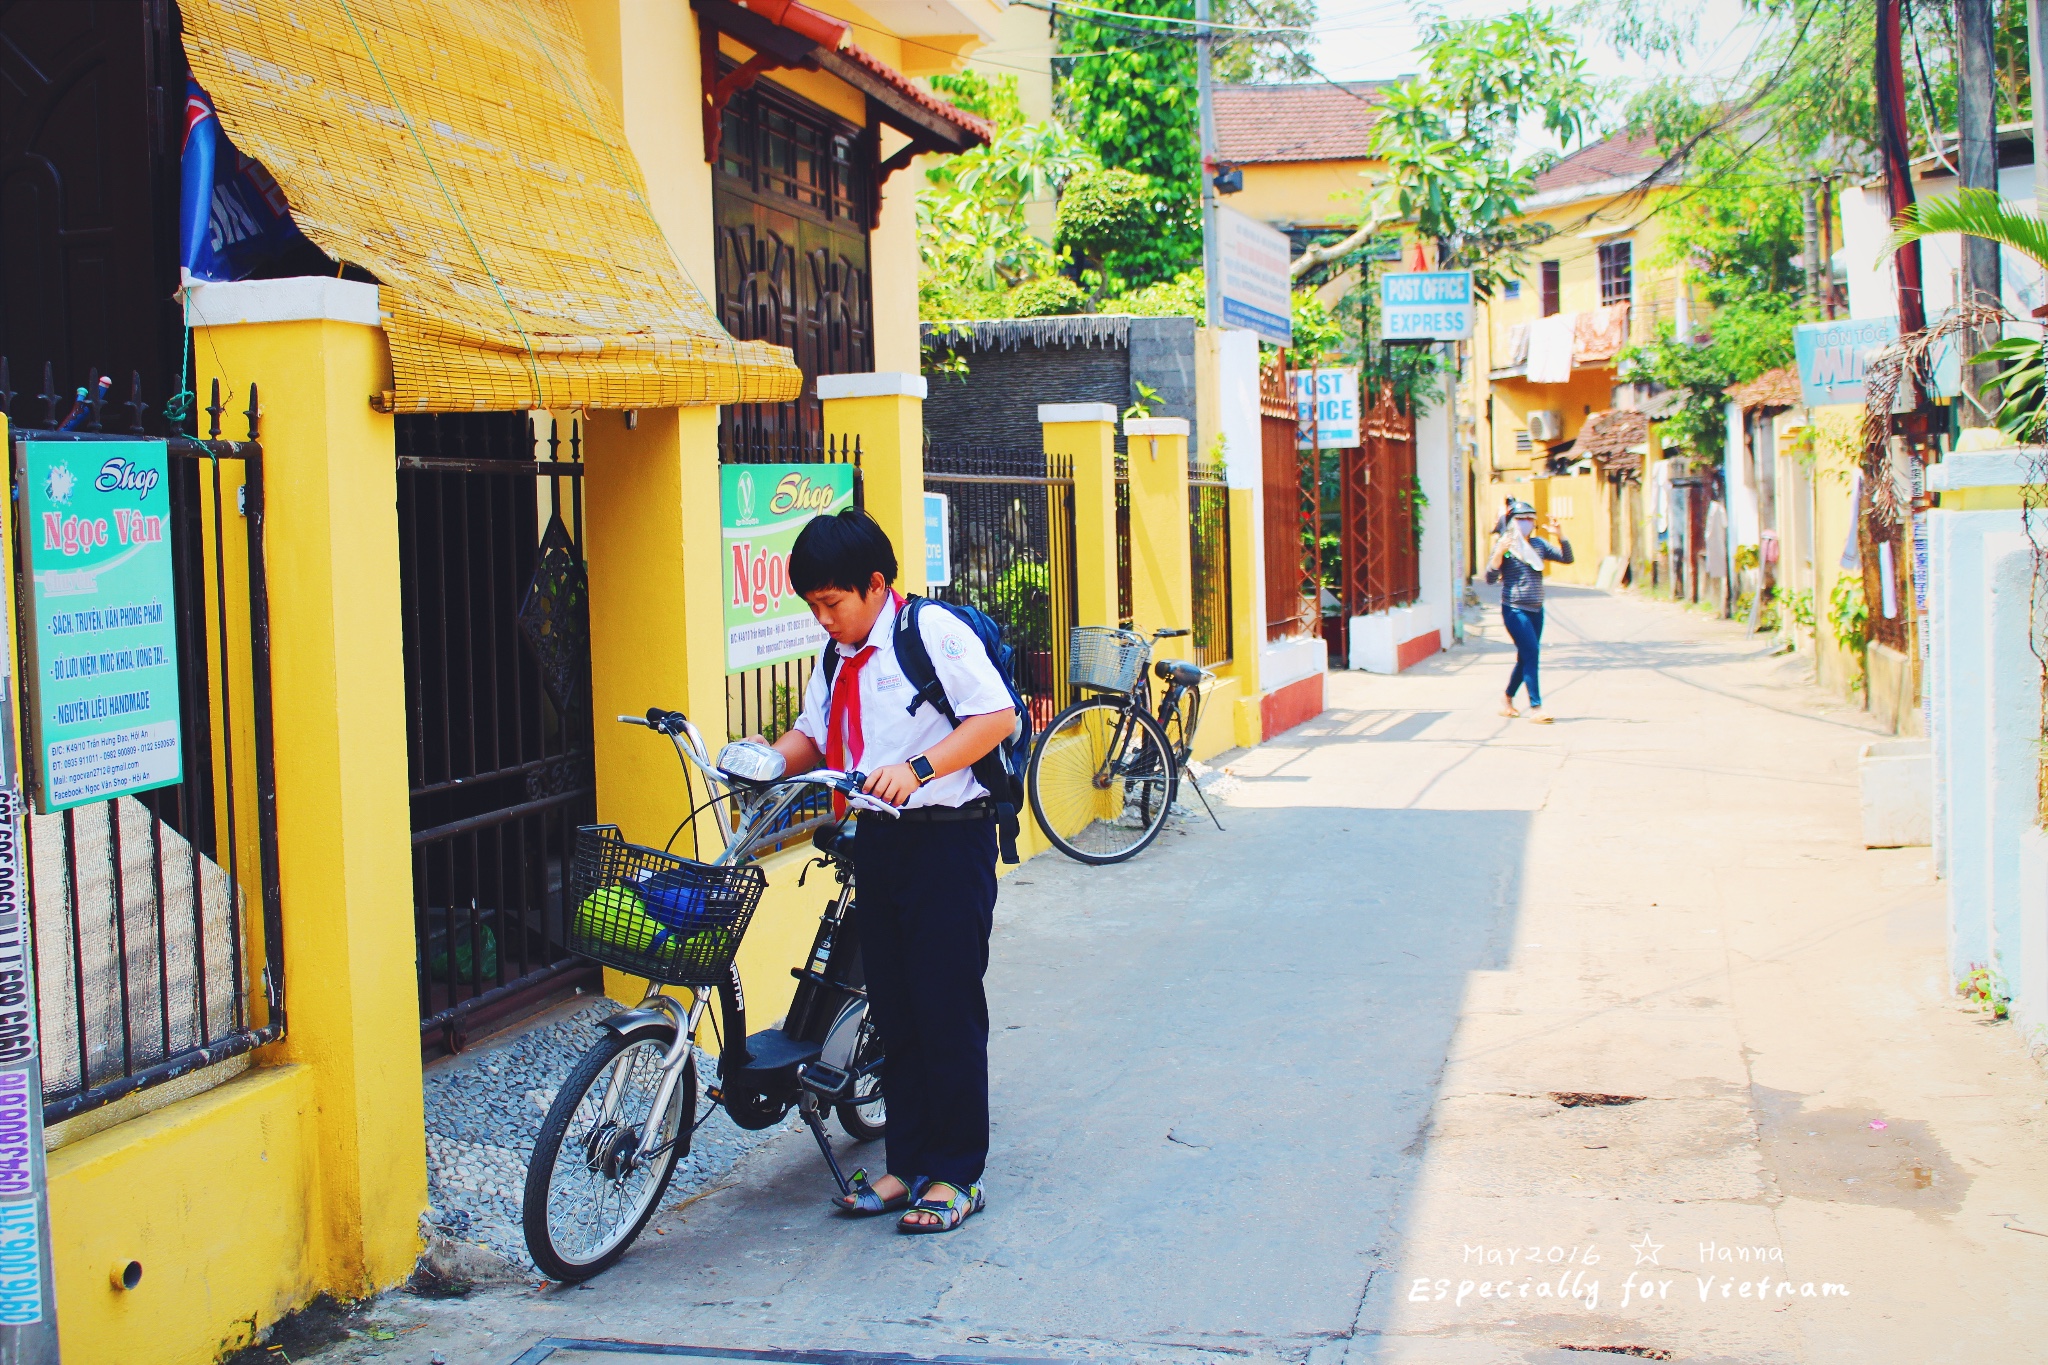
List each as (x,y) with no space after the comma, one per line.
(1102,780)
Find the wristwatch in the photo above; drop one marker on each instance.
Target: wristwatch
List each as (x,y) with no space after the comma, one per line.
(922,766)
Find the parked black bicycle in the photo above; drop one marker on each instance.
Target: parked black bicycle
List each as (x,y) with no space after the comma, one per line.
(1105,774)
(626,1113)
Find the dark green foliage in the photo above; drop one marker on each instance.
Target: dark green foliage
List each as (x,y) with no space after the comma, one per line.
(1104,213)
(1050,296)
(1132,99)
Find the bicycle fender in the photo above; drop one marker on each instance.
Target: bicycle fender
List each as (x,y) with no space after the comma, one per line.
(633,1021)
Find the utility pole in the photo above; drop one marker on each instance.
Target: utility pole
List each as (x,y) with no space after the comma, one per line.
(1976,126)
(1205,102)
(1898,160)
(1810,246)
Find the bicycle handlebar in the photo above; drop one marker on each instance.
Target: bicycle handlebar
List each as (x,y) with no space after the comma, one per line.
(690,744)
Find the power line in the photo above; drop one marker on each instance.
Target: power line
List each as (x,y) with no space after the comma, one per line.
(1071,5)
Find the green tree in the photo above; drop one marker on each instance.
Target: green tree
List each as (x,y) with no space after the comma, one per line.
(1129,87)
(973,240)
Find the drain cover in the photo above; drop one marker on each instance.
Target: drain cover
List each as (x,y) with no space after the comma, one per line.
(603,1351)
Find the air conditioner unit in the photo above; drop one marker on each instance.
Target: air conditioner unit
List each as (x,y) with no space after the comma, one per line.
(1546,424)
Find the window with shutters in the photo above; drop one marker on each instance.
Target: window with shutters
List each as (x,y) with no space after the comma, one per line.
(1552,287)
(1617,272)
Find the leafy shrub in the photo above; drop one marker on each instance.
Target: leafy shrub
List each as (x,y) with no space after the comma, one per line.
(1051,296)
(1104,211)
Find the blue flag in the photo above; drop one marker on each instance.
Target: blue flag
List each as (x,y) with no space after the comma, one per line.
(232,216)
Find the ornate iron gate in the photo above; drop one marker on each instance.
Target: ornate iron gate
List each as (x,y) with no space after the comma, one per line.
(497,682)
(1378,492)
(1209,561)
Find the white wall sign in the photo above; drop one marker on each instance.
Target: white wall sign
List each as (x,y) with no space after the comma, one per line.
(1253,290)
(1326,410)
(938,541)
(1426,305)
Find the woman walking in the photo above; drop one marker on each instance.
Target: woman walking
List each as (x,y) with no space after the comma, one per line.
(1517,565)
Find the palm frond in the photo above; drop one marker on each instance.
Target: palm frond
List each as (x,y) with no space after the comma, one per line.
(1977,213)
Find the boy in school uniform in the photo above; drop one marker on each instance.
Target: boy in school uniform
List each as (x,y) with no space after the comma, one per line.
(926,880)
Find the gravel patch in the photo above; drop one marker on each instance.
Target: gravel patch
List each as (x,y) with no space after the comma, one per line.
(485,1106)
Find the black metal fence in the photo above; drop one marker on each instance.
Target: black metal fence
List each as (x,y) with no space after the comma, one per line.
(497,680)
(1010,514)
(149,962)
(1209,560)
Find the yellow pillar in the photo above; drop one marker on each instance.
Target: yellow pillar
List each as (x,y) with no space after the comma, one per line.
(651,544)
(1086,434)
(1162,592)
(1247,614)
(330,490)
(886,411)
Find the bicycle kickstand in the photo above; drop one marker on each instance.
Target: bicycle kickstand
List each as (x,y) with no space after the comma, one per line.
(812,1111)
(1205,804)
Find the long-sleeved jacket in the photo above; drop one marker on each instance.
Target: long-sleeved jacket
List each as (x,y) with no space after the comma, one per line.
(1522,586)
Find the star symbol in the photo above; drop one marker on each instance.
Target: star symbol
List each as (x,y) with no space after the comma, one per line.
(1646,1250)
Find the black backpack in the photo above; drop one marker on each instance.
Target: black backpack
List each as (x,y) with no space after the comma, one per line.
(1001,769)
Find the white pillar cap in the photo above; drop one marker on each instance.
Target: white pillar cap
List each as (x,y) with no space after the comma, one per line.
(1048,413)
(301,298)
(1155,426)
(876,384)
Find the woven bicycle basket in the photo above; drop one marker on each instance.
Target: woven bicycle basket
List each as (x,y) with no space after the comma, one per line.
(669,919)
(1106,659)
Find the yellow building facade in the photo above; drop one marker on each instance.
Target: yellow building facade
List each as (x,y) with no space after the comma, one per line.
(1543,351)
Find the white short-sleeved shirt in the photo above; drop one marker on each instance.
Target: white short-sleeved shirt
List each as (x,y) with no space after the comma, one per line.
(889,733)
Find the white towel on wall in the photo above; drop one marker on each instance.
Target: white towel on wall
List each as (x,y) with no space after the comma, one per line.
(1550,348)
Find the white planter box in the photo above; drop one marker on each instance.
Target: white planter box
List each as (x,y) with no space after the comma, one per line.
(1897,778)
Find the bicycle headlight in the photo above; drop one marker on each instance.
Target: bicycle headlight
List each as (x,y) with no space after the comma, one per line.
(750,762)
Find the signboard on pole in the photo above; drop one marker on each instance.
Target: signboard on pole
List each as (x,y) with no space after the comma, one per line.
(103,647)
(1832,357)
(1326,409)
(28,1292)
(1253,290)
(762,507)
(1426,305)
(938,541)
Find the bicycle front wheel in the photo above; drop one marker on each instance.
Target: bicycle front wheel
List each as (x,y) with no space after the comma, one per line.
(1102,780)
(588,1189)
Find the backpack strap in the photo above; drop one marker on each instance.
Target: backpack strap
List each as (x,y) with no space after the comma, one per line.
(916,662)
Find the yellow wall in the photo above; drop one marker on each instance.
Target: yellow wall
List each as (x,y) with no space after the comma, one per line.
(1304,193)
(218,1197)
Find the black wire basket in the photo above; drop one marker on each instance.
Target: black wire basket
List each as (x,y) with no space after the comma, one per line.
(655,915)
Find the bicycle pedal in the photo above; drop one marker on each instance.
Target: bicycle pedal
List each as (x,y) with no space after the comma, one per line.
(824,1078)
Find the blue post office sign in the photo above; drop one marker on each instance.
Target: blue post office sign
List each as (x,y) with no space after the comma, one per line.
(1426,305)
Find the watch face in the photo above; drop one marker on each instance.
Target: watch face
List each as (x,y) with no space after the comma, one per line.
(922,766)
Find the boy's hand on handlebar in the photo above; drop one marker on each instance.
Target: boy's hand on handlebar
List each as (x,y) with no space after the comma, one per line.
(894,784)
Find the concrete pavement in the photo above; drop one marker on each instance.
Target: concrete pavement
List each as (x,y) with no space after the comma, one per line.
(1469,1041)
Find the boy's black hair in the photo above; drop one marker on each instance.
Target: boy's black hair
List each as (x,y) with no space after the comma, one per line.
(844,552)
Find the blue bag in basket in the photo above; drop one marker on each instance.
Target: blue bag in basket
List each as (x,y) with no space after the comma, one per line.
(675,899)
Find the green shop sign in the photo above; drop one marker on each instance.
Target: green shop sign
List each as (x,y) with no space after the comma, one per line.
(762,507)
(103,653)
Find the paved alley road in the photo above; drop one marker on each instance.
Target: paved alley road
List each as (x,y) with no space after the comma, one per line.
(1328,1086)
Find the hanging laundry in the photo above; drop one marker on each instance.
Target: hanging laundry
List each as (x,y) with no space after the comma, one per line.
(1550,349)
(1599,333)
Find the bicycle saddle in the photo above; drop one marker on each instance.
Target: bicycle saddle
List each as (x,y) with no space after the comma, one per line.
(834,839)
(1179,671)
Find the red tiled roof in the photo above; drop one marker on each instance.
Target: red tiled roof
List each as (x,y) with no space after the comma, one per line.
(1771,389)
(924,98)
(1310,121)
(1629,154)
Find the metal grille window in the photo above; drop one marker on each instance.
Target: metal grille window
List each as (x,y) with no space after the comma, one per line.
(1617,272)
(1209,560)
(1011,513)
(155,917)
(1553,287)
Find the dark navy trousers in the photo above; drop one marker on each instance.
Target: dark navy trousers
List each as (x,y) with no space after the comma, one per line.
(1525,627)
(924,899)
